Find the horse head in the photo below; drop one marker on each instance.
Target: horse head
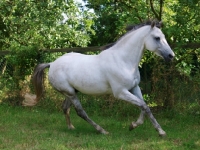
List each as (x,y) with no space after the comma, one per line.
(155,41)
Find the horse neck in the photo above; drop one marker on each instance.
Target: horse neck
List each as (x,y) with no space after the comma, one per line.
(130,47)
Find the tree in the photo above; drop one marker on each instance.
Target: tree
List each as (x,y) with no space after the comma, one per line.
(40,23)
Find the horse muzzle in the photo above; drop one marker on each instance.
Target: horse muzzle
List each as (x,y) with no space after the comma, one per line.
(168,57)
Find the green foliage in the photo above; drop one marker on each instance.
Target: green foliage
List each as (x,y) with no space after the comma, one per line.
(40,23)
(29,26)
(24,59)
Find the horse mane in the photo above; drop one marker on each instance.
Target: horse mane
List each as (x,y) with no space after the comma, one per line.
(130,28)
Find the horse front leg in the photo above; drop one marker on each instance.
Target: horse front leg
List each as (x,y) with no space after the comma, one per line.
(83,114)
(129,97)
(66,109)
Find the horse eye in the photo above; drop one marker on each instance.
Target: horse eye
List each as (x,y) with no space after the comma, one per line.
(157,38)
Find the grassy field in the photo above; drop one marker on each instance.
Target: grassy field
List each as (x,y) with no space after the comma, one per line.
(38,129)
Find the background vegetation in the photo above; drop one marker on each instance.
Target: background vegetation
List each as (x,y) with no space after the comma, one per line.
(29,27)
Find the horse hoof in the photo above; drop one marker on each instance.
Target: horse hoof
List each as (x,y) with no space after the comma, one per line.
(162,133)
(103,132)
(71,127)
(132,126)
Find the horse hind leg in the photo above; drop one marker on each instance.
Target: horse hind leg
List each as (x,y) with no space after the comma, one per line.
(66,109)
(83,114)
(140,120)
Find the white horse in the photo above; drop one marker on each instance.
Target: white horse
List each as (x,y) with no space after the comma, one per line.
(113,71)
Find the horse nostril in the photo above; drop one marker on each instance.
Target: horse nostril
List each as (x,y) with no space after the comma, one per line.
(171,56)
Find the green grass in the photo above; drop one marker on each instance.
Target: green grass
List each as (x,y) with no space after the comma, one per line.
(39,129)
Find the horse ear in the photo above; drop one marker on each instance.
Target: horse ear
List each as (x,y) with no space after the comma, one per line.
(152,24)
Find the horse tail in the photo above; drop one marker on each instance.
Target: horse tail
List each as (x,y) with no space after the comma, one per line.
(38,80)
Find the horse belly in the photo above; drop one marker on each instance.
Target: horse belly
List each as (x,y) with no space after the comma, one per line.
(91,85)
